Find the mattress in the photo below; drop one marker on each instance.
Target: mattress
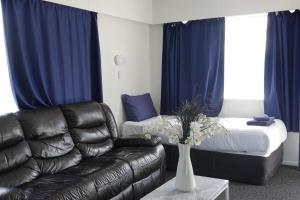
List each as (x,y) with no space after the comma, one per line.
(239,137)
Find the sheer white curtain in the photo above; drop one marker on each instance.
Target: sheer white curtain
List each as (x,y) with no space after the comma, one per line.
(7,102)
(245,43)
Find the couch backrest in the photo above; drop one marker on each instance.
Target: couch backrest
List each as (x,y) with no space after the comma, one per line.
(16,164)
(48,136)
(92,126)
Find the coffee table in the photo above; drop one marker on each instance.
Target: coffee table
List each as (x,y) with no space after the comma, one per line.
(206,189)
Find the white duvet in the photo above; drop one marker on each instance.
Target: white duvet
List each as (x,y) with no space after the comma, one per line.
(241,138)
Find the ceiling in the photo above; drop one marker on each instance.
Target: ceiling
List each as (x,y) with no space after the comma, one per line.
(162,11)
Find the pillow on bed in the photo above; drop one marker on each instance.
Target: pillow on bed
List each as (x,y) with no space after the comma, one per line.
(138,108)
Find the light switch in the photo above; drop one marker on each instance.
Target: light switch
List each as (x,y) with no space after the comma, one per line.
(119,75)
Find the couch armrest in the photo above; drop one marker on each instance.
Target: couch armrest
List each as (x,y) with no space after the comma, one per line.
(138,141)
(12,194)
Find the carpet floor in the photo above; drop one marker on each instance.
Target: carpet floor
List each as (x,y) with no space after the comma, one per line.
(285,185)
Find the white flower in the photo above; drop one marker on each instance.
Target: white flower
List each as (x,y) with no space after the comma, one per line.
(199,130)
(148,136)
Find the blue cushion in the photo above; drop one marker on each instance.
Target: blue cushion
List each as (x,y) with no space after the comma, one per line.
(138,108)
(263,117)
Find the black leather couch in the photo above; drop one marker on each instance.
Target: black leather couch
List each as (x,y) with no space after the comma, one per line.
(74,152)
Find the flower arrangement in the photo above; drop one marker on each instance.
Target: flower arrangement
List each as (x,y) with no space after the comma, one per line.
(191,126)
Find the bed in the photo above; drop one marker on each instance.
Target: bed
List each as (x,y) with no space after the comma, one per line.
(250,154)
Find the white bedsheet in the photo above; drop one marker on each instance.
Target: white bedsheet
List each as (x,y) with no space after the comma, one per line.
(240,139)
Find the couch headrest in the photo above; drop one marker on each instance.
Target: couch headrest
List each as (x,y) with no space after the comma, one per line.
(84,115)
(10,131)
(43,123)
(92,126)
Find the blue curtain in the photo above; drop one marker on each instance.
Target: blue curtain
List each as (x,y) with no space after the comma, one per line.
(53,53)
(282,68)
(193,65)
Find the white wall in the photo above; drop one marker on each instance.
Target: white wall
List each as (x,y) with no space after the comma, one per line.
(156,46)
(242,108)
(130,39)
(291,150)
(136,10)
(180,10)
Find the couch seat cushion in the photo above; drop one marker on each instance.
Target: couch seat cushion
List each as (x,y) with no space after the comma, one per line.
(110,176)
(60,187)
(143,160)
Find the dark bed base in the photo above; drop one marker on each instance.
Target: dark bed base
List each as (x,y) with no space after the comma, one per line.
(236,167)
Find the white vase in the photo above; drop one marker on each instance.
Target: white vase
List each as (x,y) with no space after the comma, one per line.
(185,179)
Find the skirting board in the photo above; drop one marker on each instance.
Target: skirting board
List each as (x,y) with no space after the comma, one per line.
(290,163)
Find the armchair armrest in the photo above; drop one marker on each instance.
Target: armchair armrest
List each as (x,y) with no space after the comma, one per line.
(12,194)
(138,141)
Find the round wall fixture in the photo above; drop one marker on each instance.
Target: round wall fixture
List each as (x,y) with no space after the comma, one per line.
(119,60)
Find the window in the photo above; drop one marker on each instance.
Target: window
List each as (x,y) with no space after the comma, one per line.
(245,43)
(7,102)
